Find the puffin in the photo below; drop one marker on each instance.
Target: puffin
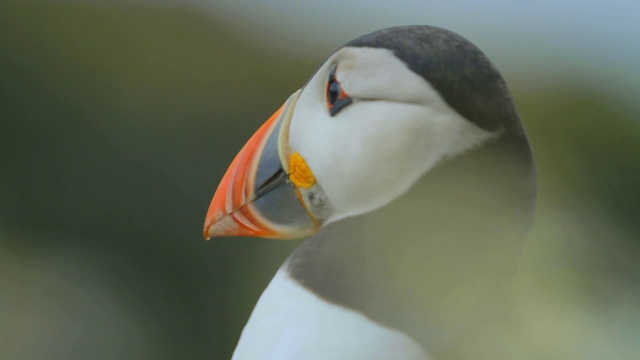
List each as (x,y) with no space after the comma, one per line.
(405,167)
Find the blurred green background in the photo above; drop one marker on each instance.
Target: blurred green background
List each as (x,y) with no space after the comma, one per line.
(117,120)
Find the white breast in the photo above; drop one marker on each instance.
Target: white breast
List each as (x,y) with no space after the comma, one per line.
(290,322)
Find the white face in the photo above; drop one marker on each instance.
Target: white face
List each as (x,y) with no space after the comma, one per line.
(374,149)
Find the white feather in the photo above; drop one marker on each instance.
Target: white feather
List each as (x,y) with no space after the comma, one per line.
(290,322)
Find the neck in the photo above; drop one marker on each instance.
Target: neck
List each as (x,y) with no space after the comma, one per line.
(437,263)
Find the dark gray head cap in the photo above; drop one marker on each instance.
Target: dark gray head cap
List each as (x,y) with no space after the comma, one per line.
(457,69)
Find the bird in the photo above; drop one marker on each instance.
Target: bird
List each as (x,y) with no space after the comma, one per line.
(404,165)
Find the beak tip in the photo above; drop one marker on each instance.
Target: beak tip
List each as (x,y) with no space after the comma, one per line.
(205,232)
(223,226)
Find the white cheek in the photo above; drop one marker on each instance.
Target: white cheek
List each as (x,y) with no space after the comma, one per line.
(374,156)
(377,157)
(373,73)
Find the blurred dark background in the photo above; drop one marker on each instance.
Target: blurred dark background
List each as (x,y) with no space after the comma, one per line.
(117,120)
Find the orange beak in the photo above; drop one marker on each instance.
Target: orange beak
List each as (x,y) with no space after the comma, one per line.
(255,196)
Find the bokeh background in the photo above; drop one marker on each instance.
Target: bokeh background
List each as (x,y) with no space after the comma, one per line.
(118,118)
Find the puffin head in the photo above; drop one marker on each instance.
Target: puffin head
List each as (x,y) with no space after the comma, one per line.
(375,117)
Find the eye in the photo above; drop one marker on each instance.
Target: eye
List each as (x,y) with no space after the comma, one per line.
(337,98)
